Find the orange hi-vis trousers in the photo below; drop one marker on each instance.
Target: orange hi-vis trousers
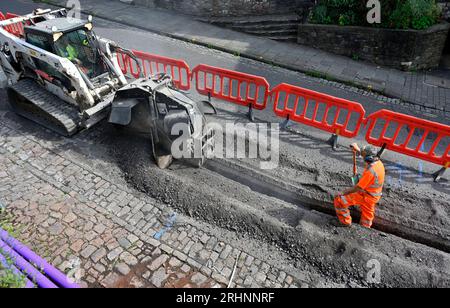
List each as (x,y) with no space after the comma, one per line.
(367,206)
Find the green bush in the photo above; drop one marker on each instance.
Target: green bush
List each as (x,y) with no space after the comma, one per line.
(396,14)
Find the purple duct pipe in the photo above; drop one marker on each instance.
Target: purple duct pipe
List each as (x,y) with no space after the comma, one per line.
(6,265)
(53,273)
(34,274)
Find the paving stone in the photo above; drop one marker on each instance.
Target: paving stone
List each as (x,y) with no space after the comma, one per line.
(226,252)
(99,229)
(180,255)
(146,275)
(70,218)
(182,236)
(186,268)
(249,260)
(129,259)
(204,239)
(282,277)
(122,268)
(114,254)
(100,253)
(260,277)
(206,270)
(76,247)
(226,272)
(214,256)
(88,251)
(110,280)
(166,249)
(56,229)
(159,277)
(158,262)
(99,267)
(248,281)
(174,262)
(219,278)
(199,279)
(132,238)
(124,242)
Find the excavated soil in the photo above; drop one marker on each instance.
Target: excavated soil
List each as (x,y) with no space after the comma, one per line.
(305,234)
(238,196)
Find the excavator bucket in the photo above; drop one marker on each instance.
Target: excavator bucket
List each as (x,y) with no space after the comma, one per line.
(153,107)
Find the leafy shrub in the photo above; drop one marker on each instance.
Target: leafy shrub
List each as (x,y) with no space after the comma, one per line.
(397,14)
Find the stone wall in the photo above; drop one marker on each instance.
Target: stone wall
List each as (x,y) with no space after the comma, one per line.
(404,49)
(445,5)
(229,7)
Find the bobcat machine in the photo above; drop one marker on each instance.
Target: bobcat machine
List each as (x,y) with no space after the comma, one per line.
(62,76)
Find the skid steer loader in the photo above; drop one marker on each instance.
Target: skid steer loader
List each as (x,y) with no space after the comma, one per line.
(62,76)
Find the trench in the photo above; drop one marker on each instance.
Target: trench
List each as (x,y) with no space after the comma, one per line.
(303,198)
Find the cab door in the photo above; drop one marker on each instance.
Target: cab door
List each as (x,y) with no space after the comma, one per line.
(43,69)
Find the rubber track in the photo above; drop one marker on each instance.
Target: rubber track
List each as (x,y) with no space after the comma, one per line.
(45,108)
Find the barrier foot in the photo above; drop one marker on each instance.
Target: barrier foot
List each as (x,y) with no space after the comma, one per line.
(438,175)
(251,114)
(334,141)
(286,123)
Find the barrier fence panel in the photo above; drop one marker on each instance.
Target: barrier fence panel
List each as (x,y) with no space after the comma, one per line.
(415,137)
(124,63)
(16,29)
(331,114)
(235,87)
(153,64)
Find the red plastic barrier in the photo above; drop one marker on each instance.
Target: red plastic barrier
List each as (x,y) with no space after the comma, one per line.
(321,121)
(250,90)
(424,129)
(124,62)
(154,64)
(16,28)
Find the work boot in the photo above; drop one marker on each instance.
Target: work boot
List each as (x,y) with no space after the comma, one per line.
(338,224)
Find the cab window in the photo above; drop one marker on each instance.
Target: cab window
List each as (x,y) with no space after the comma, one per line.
(39,41)
(77,47)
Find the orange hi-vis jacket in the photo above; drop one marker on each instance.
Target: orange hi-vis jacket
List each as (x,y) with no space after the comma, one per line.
(371,184)
(372,180)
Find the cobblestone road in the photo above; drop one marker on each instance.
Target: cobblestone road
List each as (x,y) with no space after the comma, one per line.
(109,236)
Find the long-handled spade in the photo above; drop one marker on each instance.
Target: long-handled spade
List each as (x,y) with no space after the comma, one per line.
(356,152)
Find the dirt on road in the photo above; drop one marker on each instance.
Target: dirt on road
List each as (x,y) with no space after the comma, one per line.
(288,207)
(301,231)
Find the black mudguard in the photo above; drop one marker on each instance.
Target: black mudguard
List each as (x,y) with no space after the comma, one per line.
(121,111)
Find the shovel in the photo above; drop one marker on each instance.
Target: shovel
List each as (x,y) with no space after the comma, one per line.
(356,150)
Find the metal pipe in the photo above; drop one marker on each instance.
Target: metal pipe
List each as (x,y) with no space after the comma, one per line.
(23,265)
(7,266)
(32,257)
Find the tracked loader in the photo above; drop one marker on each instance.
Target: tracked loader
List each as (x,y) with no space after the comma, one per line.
(60,74)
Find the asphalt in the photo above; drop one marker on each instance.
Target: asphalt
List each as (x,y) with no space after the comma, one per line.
(422,90)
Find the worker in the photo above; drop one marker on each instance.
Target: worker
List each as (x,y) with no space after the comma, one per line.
(70,49)
(366,194)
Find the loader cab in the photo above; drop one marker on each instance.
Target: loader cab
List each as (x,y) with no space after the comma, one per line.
(69,38)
